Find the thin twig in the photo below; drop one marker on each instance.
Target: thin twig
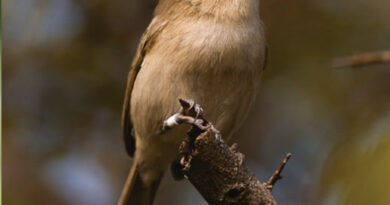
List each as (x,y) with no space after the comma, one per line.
(362,59)
(277,174)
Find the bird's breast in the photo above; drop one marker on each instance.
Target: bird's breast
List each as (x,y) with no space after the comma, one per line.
(217,65)
(223,44)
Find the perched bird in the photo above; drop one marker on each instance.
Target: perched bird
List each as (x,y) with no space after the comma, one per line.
(211,51)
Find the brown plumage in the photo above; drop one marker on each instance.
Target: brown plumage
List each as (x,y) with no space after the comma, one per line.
(144,46)
(212,51)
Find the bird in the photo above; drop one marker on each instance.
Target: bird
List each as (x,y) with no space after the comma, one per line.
(211,51)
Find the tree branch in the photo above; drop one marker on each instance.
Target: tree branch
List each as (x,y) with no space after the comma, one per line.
(277,174)
(217,171)
(362,59)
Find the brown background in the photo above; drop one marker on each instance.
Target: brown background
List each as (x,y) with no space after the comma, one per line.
(64,70)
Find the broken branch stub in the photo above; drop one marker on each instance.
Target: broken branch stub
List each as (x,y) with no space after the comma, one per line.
(217,171)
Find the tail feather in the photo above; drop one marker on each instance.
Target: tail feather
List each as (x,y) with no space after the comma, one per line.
(135,192)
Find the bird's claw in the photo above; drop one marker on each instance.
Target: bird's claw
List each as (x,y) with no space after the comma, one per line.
(178,119)
(190,108)
(190,113)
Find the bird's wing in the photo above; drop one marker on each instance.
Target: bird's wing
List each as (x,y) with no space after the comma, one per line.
(265,58)
(145,45)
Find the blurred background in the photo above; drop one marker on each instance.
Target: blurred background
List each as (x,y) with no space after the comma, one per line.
(65,65)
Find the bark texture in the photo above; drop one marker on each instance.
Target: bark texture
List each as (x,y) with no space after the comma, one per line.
(218,172)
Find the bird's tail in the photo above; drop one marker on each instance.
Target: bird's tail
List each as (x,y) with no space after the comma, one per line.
(135,192)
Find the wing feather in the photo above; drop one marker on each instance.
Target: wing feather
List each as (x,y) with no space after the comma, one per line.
(147,41)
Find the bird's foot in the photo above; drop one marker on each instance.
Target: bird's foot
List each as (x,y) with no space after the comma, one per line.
(171,122)
(190,113)
(190,108)
(178,119)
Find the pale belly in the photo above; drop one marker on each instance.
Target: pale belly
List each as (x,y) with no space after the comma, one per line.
(225,96)
(224,82)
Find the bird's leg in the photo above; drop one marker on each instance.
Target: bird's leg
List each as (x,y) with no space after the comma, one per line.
(190,113)
(171,122)
(179,118)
